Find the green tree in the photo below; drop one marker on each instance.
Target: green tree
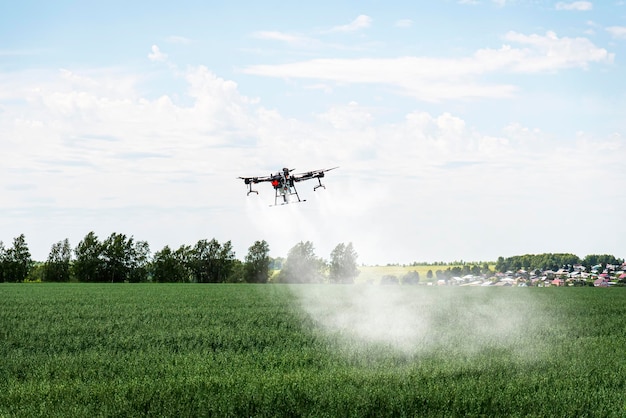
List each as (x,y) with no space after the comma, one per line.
(226,262)
(602,259)
(124,259)
(211,262)
(411,277)
(301,265)
(3,254)
(183,256)
(89,264)
(485,269)
(237,272)
(204,260)
(163,266)
(388,279)
(36,272)
(116,256)
(502,264)
(343,266)
(171,266)
(544,261)
(57,267)
(257,263)
(139,262)
(455,271)
(16,261)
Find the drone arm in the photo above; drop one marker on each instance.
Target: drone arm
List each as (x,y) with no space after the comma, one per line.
(312,175)
(249,181)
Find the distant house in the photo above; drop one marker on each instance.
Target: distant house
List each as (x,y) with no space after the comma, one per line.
(601,282)
(557,282)
(561,273)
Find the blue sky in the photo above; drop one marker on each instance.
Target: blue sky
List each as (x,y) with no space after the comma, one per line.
(463,129)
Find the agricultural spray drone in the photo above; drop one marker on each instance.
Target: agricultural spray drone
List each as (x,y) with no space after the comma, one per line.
(284,183)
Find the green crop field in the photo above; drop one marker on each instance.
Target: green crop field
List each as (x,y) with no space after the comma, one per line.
(311,350)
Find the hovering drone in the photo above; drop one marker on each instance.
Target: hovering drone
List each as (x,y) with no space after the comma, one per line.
(284,183)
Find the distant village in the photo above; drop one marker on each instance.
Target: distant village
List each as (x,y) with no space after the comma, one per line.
(576,275)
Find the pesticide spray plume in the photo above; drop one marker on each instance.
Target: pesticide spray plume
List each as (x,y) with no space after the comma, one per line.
(408,320)
(282,226)
(417,320)
(328,217)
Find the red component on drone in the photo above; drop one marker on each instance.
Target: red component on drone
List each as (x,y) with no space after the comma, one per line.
(284,183)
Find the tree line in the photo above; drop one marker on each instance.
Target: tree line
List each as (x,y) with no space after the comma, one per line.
(119,259)
(528,262)
(460,271)
(551,261)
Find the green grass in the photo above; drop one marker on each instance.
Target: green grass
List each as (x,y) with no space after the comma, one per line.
(276,350)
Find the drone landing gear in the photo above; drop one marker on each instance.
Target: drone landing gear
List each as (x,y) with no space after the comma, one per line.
(319,185)
(250,190)
(285,192)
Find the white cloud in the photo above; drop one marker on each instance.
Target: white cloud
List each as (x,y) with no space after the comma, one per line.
(320,86)
(618,32)
(157,55)
(575,5)
(551,53)
(122,143)
(404,23)
(283,37)
(591,25)
(276,36)
(434,79)
(361,22)
(90,144)
(174,39)
(425,78)
(346,117)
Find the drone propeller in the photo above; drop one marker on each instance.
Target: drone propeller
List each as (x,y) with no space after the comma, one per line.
(312,174)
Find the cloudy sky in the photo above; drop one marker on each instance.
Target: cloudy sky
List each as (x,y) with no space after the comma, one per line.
(464,130)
